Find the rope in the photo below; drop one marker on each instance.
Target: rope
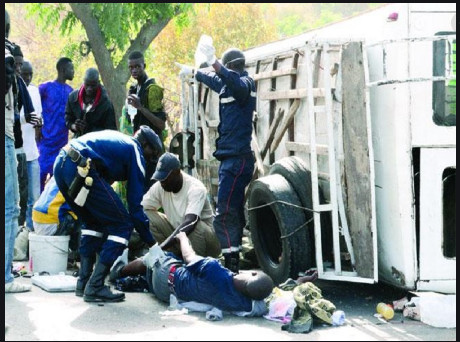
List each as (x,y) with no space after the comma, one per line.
(287,203)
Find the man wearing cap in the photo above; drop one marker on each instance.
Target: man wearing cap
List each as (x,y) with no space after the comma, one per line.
(84,170)
(186,208)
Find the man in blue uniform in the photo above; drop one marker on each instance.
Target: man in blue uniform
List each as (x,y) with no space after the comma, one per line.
(237,94)
(84,170)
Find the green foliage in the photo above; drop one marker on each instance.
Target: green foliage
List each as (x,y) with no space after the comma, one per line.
(118,22)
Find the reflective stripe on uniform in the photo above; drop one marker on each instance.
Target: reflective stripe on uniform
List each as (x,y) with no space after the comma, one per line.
(230,250)
(227,99)
(91,233)
(138,158)
(118,239)
(231,98)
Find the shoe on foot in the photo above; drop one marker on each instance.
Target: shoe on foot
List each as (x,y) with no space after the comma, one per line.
(118,264)
(15,287)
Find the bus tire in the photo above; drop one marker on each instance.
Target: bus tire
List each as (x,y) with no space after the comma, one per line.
(279,239)
(298,175)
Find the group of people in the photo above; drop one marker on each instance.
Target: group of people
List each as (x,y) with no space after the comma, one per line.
(167,207)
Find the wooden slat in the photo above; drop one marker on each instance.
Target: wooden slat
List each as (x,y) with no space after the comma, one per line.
(212,123)
(271,132)
(290,116)
(305,147)
(289,94)
(274,73)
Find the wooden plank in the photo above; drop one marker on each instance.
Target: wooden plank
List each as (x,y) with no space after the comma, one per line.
(289,94)
(271,132)
(274,73)
(305,147)
(212,123)
(259,170)
(356,159)
(285,125)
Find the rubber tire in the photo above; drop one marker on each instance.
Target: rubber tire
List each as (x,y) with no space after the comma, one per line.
(296,172)
(279,258)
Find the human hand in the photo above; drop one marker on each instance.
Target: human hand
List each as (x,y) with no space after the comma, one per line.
(210,52)
(38,133)
(134,101)
(33,119)
(80,125)
(185,71)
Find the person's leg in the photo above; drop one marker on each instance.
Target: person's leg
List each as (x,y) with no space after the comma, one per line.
(204,240)
(161,228)
(23,185)
(234,175)
(33,173)
(11,215)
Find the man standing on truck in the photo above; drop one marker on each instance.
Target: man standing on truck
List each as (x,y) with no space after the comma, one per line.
(237,94)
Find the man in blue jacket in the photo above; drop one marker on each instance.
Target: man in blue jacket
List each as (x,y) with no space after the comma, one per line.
(237,97)
(84,170)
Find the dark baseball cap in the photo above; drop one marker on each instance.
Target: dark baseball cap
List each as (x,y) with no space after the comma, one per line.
(167,163)
(146,135)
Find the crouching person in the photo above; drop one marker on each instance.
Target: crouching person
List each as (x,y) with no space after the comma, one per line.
(201,279)
(84,170)
(186,208)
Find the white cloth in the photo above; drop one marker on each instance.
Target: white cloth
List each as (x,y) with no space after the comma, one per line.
(9,114)
(28,131)
(191,199)
(45,228)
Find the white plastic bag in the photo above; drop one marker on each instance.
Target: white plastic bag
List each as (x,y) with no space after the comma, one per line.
(200,58)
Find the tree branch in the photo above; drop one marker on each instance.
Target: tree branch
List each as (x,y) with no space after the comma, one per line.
(101,54)
(146,35)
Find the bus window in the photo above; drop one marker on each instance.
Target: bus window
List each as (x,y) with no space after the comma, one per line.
(444,92)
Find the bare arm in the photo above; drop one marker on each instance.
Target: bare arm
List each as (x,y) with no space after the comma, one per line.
(188,254)
(187,226)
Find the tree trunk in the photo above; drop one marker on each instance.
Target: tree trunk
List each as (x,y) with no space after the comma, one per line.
(114,78)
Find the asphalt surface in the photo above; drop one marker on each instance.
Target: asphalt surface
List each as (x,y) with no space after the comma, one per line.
(40,315)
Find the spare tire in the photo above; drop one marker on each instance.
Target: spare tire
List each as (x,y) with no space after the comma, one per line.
(279,239)
(296,172)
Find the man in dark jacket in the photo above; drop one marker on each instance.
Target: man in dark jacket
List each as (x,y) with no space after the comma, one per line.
(89,108)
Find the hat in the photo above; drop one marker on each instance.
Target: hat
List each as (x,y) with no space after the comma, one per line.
(167,163)
(146,134)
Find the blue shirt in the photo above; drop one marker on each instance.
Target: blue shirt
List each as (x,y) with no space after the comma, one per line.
(206,281)
(119,157)
(54,131)
(237,97)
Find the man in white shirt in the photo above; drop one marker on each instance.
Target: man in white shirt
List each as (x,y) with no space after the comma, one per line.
(186,208)
(29,143)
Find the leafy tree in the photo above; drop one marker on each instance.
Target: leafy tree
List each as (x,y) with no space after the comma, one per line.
(113,31)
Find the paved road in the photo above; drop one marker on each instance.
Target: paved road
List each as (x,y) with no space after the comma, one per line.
(40,315)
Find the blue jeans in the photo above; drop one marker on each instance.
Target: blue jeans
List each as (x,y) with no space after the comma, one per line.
(33,173)
(234,175)
(11,205)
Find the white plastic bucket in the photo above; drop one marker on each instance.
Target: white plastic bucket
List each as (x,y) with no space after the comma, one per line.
(48,253)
